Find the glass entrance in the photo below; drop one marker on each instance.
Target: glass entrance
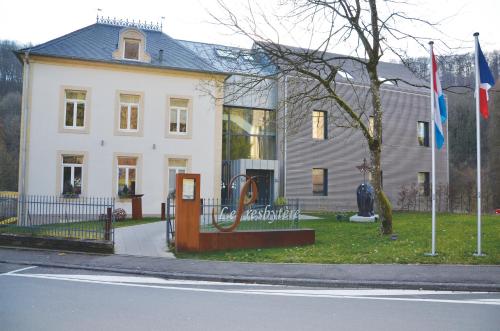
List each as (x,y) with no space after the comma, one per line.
(265,180)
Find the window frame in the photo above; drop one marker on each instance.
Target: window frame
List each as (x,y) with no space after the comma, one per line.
(325,124)
(139,46)
(189,117)
(129,106)
(325,182)
(167,167)
(75,103)
(178,111)
(426,137)
(426,183)
(127,169)
(63,128)
(115,176)
(72,166)
(139,132)
(59,187)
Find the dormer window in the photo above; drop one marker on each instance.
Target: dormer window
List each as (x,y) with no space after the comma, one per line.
(131,49)
(132,46)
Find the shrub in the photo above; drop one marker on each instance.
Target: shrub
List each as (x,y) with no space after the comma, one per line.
(120,214)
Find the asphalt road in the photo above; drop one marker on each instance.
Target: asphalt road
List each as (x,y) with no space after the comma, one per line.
(36,298)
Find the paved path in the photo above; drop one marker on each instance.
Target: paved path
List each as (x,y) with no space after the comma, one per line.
(142,240)
(435,277)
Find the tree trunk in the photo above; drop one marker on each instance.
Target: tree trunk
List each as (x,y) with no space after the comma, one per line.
(383,205)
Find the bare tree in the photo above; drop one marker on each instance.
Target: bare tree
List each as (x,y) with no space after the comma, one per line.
(372,31)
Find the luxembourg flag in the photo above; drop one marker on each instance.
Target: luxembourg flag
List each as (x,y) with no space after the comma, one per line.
(439,104)
(486,81)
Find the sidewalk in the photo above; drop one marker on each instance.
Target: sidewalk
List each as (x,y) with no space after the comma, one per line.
(143,240)
(435,277)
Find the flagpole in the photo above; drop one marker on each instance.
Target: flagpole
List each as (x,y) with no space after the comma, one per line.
(433,153)
(478,146)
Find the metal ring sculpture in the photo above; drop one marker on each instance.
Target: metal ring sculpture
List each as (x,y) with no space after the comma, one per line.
(244,201)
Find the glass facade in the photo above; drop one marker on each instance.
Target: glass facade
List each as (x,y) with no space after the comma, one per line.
(248,134)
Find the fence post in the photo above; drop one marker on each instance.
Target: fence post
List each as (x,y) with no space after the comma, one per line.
(162,217)
(168,222)
(107,225)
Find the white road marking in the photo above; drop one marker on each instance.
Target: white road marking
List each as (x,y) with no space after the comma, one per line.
(16,271)
(137,279)
(284,292)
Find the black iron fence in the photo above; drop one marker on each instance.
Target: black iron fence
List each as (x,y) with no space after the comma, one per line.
(255,217)
(57,216)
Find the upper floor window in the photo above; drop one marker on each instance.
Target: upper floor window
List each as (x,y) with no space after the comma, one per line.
(72,166)
(423,133)
(131,49)
(129,112)
(319,126)
(179,116)
(74,114)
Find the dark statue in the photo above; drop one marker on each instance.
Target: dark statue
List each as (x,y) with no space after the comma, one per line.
(365,193)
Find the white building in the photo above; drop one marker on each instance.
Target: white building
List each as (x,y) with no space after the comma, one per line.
(110,111)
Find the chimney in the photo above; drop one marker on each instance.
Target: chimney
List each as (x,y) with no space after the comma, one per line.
(160,56)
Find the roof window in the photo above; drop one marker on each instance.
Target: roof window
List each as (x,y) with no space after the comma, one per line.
(344,74)
(227,53)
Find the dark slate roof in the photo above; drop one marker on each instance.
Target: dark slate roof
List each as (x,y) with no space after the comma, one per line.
(97,42)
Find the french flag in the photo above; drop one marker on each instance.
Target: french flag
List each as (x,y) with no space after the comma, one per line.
(439,104)
(486,81)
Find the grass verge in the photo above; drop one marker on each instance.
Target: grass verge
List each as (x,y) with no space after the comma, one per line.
(346,242)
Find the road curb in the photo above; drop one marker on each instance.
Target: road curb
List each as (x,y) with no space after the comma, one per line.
(308,282)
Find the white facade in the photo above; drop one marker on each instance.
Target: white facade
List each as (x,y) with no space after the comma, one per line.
(100,143)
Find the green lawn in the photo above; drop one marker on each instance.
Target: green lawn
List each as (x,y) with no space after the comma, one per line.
(74,230)
(345,242)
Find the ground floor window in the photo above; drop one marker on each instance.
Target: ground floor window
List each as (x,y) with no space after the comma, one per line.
(127,176)
(423,183)
(72,166)
(175,166)
(320,181)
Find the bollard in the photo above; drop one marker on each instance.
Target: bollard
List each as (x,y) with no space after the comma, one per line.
(107,225)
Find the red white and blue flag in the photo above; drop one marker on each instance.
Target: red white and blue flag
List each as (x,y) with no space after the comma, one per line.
(486,81)
(439,104)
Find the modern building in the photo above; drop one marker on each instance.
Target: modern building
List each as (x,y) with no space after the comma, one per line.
(118,108)
(323,149)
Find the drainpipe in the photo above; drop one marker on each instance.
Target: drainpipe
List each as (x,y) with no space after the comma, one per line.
(24,139)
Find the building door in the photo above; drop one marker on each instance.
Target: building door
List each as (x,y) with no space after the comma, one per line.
(265,180)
